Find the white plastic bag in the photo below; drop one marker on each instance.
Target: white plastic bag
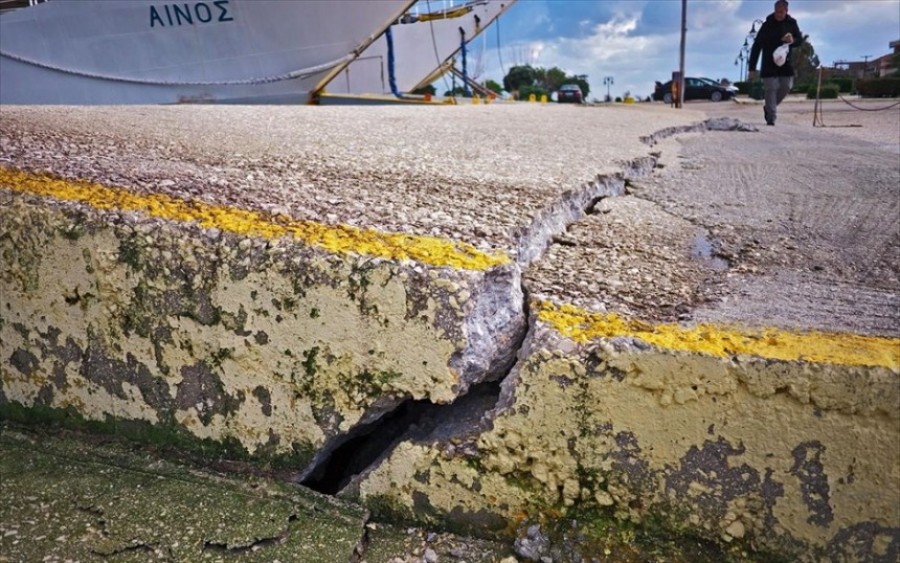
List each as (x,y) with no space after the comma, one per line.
(781,54)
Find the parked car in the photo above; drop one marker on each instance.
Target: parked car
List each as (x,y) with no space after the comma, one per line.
(569,93)
(730,87)
(695,89)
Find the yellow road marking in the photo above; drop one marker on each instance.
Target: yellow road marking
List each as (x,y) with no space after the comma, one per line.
(724,341)
(340,238)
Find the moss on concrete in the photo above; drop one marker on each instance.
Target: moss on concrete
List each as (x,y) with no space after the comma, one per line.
(68,499)
(169,437)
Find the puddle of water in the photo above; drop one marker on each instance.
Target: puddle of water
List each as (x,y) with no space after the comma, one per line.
(702,249)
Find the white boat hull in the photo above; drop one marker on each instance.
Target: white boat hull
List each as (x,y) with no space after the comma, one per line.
(414,50)
(197,51)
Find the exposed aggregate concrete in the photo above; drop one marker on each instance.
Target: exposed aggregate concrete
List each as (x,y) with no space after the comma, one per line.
(566,440)
(470,173)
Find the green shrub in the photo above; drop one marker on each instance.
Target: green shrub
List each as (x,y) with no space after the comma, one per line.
(743,87)
(886,87)
(844,83)
(526,91)
(829,91)
(801,89)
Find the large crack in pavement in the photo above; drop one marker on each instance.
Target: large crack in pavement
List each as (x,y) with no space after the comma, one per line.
(341,463)
(498,337)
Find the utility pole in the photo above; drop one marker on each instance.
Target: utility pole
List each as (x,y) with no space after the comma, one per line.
(680,101)
(865,64)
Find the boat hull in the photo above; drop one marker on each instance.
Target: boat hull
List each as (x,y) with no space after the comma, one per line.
(415,59)
(199,51)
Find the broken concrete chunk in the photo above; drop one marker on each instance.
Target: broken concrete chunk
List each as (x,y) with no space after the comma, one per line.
(273,343)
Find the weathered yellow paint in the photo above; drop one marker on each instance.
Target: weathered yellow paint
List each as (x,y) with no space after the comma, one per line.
(726,341)
(340,238)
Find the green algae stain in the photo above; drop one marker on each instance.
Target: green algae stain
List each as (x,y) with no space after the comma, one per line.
(310,366)
(131,252)
(388,508)
(76,499)
(169,437)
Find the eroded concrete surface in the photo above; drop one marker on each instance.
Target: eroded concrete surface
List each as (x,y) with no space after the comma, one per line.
(341,294)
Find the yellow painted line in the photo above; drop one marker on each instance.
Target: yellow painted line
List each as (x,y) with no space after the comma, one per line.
(724,341)
(335,238)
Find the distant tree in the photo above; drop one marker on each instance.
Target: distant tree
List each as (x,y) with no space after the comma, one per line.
(517,77)
(543,79)
(458,91)
(429,89)
(550,79)
(493,86)
(526,91)
(581,80)
(805,62)
(540,76)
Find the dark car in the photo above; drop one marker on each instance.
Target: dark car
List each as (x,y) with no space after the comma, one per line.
(569,93)
(695,89)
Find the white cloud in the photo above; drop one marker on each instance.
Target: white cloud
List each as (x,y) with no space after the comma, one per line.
(711,15)
(849,30)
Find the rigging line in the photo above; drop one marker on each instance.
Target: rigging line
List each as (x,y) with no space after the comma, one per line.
(499,52)
(868,109)
(437,56)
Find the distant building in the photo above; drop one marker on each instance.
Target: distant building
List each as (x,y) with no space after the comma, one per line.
(882,66)
(886,63)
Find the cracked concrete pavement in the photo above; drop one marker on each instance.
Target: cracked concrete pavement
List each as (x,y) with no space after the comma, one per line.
(713,233)
(824,218)
(791,226)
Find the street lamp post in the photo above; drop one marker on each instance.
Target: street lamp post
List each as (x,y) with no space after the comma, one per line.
(753,27)
(739,60)
(744,54)
(608,81)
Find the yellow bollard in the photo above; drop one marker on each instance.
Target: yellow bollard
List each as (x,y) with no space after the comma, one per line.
(543,98)
(475,99)
(532,98)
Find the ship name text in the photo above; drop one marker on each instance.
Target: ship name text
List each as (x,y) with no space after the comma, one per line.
(170,15)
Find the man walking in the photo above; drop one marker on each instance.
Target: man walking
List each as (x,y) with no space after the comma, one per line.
(778,29)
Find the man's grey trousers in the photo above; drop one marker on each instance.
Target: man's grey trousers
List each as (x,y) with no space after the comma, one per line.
(777,89)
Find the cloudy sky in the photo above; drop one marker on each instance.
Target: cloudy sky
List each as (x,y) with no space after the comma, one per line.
(637,41)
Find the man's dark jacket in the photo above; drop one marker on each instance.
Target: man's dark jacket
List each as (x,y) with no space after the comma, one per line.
(768,39)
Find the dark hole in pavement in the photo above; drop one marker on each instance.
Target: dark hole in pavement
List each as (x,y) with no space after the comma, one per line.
(412,420)
(591,208)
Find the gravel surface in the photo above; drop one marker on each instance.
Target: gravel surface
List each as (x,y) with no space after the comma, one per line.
(791,226)
(472,173)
